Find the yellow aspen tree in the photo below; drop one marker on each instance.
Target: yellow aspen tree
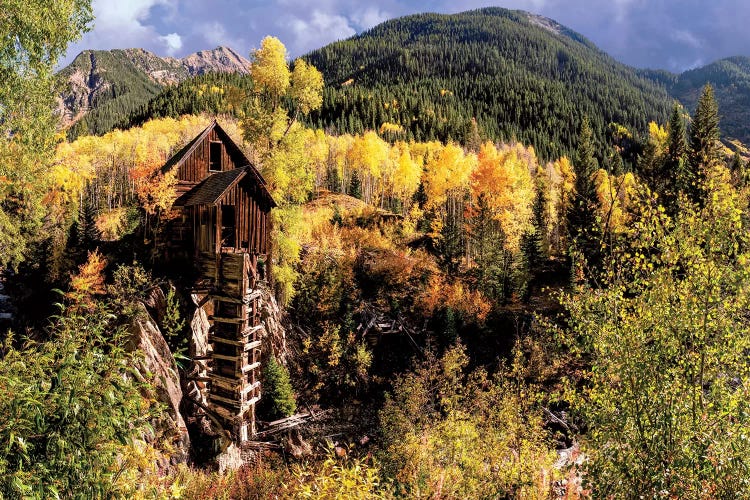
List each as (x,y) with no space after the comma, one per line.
(269,69)
(558,180)
(338,175)
(614,193)
(408,174)
(446,185)
(504,179)
(367,156)
(317,146)
(306,87)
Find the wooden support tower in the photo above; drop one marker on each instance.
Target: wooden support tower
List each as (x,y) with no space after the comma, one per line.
(234,371)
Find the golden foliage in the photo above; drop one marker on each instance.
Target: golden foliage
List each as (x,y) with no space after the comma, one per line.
(449,435)
(504,178)
(307,86)
(269,67)
(441,293)
(447,172)
(391,128)
(614,193)
(557,181)
(89,281)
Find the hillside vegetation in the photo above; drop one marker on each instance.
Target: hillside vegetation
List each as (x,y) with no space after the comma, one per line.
(731,80)
(493,73)
(425,77)
(522,77)
(462,320)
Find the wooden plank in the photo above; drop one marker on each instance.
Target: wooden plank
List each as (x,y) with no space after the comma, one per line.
(236,343)
(219,319)
(231,403)
(225,298)
(250,367)
(253,345)
(230,384)
(249,388)
(227,357)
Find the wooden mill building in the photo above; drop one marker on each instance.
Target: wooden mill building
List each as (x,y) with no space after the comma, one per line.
(223,228)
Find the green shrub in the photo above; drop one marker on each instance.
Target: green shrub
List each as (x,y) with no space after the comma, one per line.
(277,389)
(173,327)
(448,434)
(67,410)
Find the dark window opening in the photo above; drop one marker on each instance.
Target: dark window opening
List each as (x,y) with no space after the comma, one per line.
(261,267)
(227,226)
(226,310)
(214,157)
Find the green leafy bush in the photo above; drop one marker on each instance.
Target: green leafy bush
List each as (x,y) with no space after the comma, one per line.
(67,408)
(278,393)
(667,337)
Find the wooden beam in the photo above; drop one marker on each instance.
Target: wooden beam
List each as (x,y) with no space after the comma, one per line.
(250,388)
(226,357)
(250,367)
(220,319)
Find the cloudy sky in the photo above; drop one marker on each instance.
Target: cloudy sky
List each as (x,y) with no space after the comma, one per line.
(668,34)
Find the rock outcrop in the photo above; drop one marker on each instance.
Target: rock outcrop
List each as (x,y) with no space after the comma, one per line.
(274,333)
(159,363)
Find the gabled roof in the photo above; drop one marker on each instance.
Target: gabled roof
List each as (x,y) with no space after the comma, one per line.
(247,167)
(212,188)
(183,153)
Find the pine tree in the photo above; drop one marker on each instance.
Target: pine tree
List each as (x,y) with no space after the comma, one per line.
(279,401)
(583,224)
(420,196)
(676,167)
(705,147)
(486,240)
(85,231)
(334,180)
(616,166)
(355,186)
(532,248)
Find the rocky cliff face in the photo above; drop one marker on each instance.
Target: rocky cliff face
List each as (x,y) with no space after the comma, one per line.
(159,363)
(132,76)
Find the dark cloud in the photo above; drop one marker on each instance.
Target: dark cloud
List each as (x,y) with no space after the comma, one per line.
(669,34)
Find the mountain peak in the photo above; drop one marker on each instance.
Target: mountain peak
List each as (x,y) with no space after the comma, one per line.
(128,78)
(221,59)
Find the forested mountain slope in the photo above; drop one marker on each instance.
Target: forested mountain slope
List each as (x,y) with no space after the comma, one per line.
(521,76)
(100,87)
(731,80)
(425,77)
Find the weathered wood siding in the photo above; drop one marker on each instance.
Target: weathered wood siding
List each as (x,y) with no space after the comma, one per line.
(195,166)
(204,222)
(251,217)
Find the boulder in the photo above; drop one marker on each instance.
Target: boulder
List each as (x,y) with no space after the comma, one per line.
(156,303)
(159,362)
(274,334)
